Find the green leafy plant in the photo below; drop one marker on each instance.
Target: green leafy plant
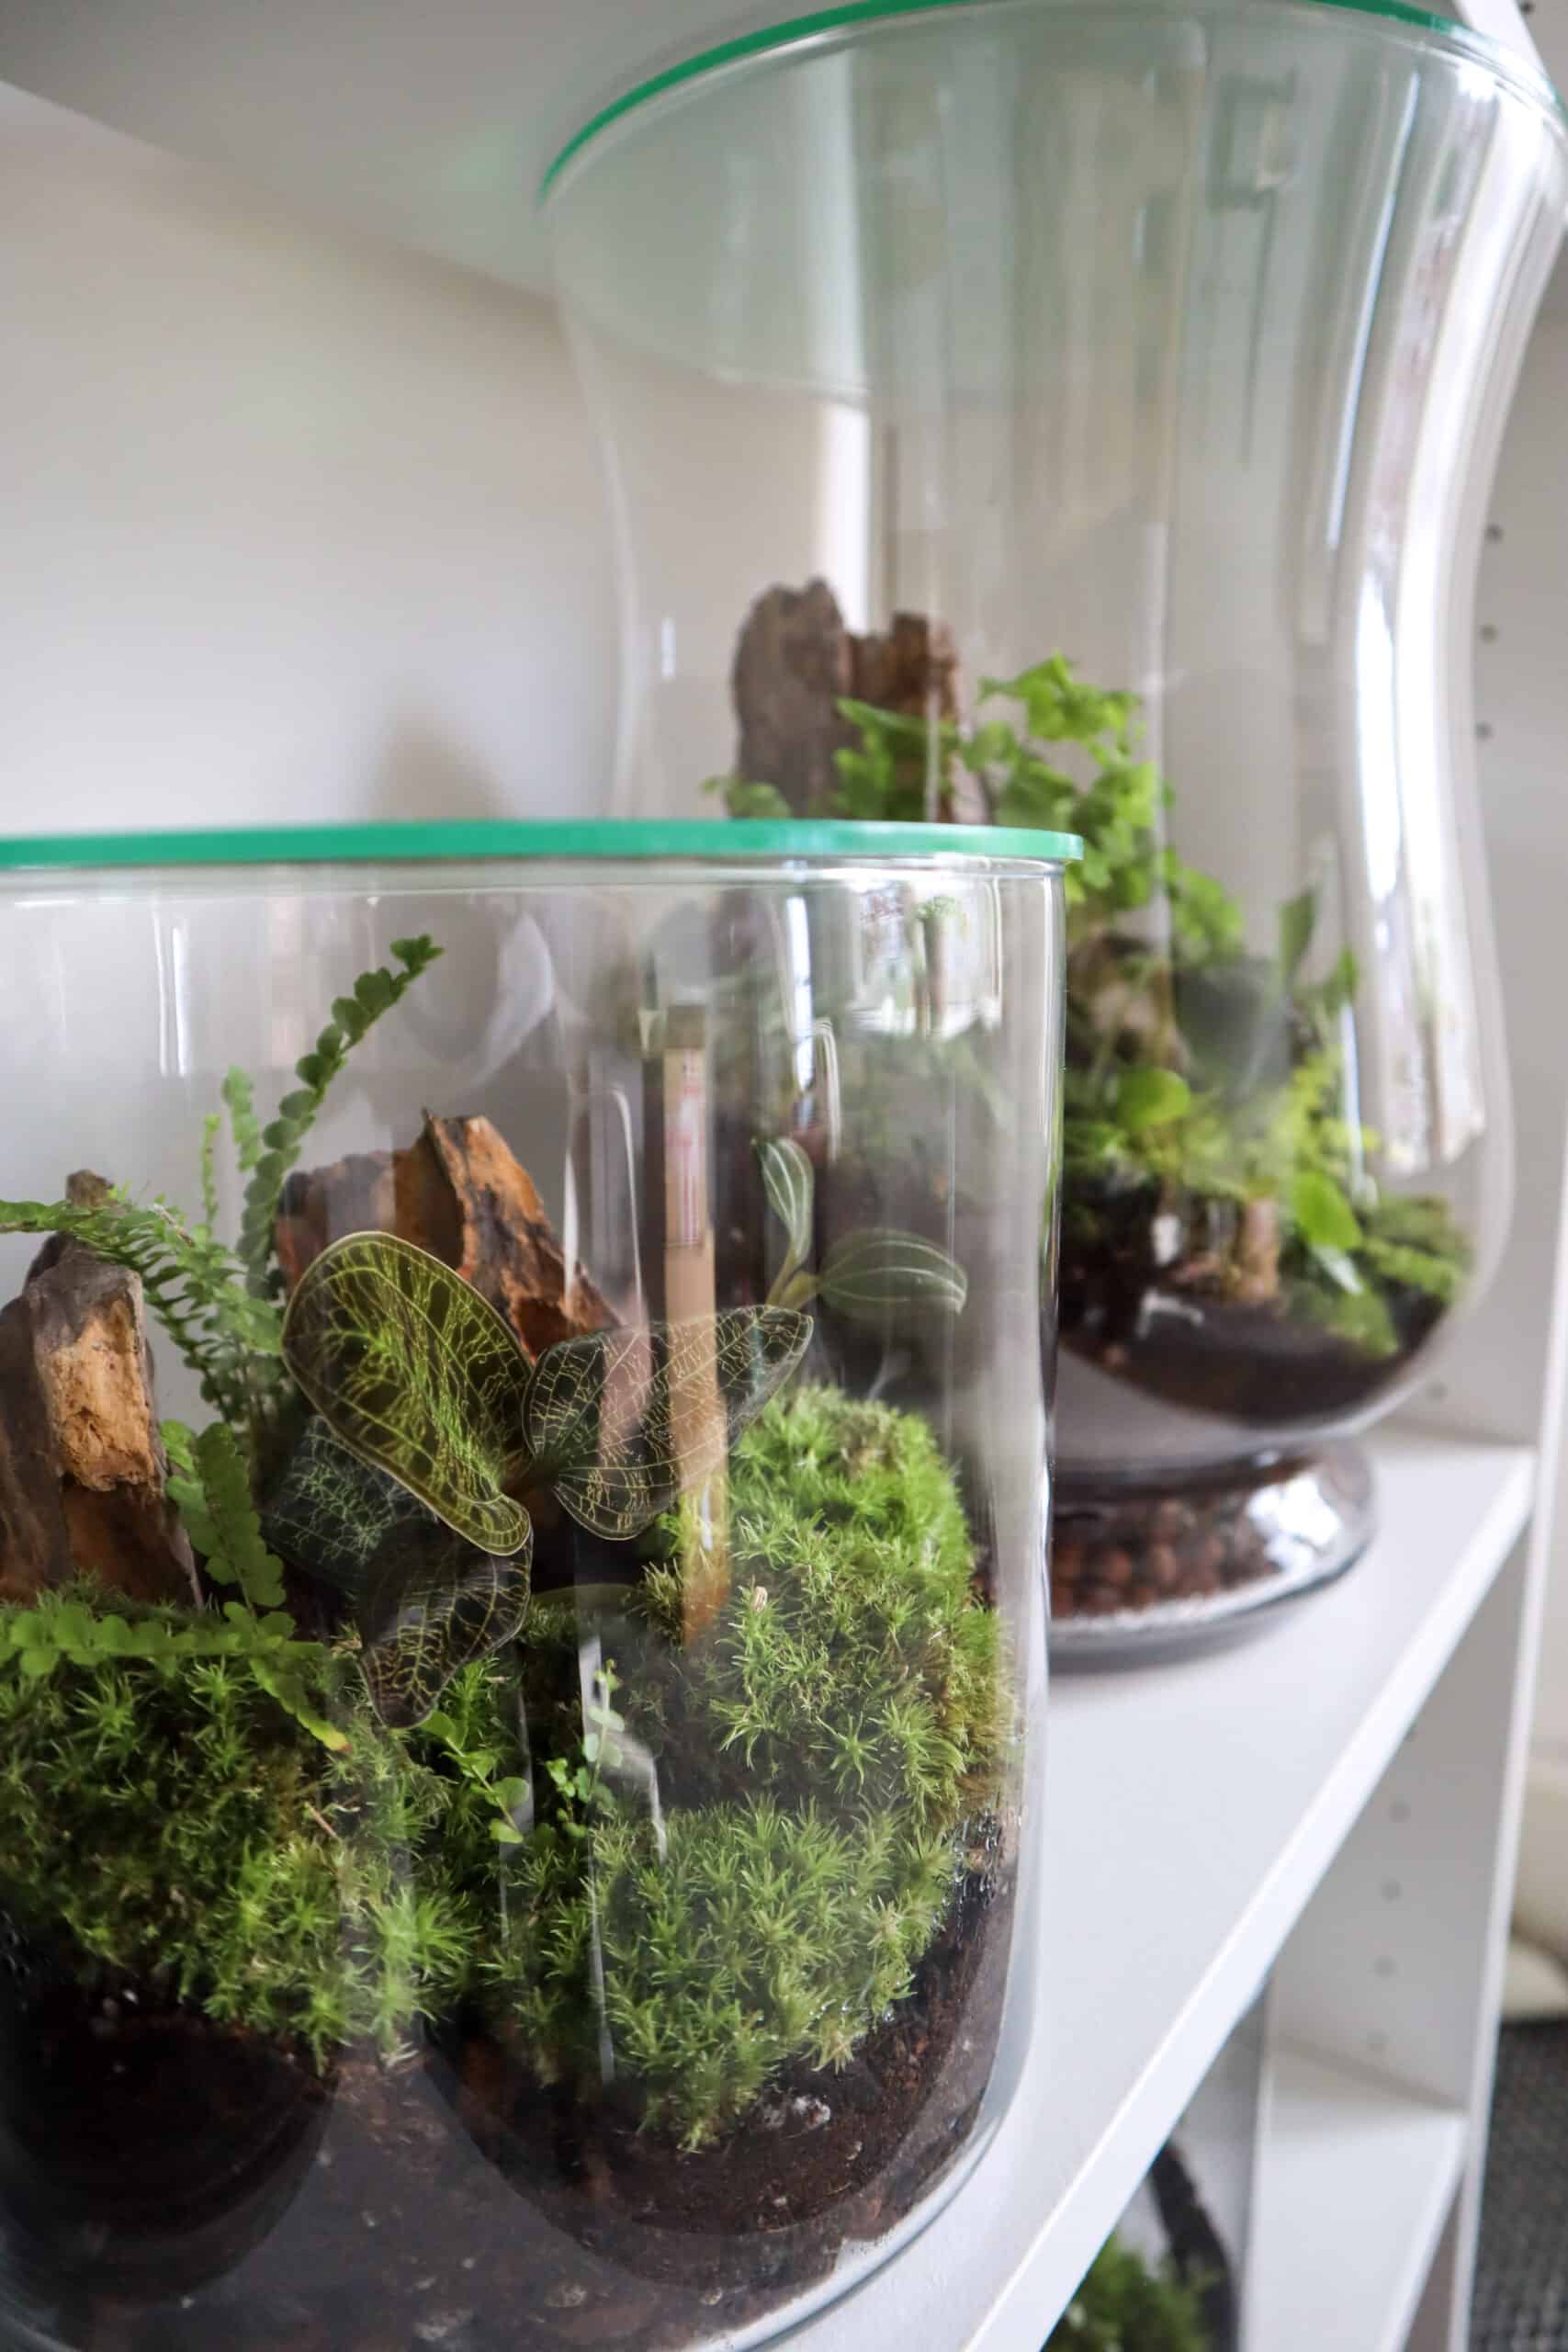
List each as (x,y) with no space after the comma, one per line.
(867,1276)
(160,1814)
(1196,1075)
(269,1155)
(211,1299)
(1125,2304)
(421,1384)
(821,1755)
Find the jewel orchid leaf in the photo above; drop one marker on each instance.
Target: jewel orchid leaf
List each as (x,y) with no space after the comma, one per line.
(416,1374)
(621,1422)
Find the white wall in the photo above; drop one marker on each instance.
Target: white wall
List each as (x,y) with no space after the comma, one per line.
(292,525)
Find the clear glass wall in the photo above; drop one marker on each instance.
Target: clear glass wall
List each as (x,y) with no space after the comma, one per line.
(521,1642)
(1081,415)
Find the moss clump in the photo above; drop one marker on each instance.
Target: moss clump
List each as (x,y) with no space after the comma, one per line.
(853,1677)
(816,1756)
(1125,2305)
(163,1816)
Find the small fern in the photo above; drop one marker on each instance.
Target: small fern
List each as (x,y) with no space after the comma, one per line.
(210,1127)
(209,1483)
(211,1486)
(191,1281)
(244,1125)
(268,1157)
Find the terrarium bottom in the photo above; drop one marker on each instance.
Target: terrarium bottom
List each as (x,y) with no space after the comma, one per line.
(1139,1569)
(174,2189)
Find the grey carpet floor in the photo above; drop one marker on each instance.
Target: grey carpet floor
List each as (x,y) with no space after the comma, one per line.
(1521,2287)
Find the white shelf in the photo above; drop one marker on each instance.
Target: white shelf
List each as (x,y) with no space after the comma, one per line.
(1191,1810)
(1357,2182)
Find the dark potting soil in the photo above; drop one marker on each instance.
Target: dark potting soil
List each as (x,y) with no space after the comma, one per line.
(1164,1330)
(169,2187)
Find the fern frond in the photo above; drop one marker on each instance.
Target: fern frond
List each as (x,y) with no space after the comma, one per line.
(280,1141)
(193,1284)
(244,1125)
(212,1487)
(210,1127)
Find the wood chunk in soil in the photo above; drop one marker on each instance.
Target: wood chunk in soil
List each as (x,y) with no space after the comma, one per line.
(82,1471)
(460,1192)
(795,659)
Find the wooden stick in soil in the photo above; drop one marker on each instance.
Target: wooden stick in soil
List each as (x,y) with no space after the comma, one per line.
(689,1297)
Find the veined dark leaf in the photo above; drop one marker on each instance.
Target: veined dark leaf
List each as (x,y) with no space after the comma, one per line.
(868,1277)
(416,1374)
(330,1512)
(432,1604)
(621,1422)
(790,1183)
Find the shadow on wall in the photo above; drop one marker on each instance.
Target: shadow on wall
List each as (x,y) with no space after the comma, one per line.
(425,775)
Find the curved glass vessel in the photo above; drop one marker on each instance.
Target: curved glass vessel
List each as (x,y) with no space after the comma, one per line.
(1082,414)
(521,1627)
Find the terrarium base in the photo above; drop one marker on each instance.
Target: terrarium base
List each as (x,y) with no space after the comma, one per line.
(447,2201)
(1140,1569)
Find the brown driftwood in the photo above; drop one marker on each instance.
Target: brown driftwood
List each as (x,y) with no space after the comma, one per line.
(795,659)
(458,1192)
(82,1469)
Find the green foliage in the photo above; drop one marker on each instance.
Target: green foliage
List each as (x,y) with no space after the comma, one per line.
(421,1384)
(757,1936)
(238,1100)
(160,1814)
(210,1131)
(621,1422)
(867,1276)
(790,1183)
(1148,1097)
(852,1675)
(432,1604)
(209,1481)
(331,1513)
(872,1274)
(417,1373)
(191,1282)
(281,1139)
(742,799)
(1125,2305)
(852,1659)
(1323,1215)
(419,1376)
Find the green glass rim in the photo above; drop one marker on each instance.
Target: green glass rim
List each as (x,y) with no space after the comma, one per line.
(766,40)
(730,842)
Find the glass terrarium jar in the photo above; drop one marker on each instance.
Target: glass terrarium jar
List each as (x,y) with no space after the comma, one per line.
(1082,414)
(521,1642)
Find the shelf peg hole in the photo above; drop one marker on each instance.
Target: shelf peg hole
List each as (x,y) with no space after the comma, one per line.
(1488,632)
(1484,730)
(1399,1810)
(1494,532)
(1392,1890)
(1383,1967)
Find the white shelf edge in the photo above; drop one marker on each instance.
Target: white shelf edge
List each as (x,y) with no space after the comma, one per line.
(1357,2181)
(993,2270)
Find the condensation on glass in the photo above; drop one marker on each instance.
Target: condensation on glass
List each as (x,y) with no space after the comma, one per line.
(521,1631)
(1082,415)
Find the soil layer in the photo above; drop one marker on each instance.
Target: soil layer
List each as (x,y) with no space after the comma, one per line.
(451,2200)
